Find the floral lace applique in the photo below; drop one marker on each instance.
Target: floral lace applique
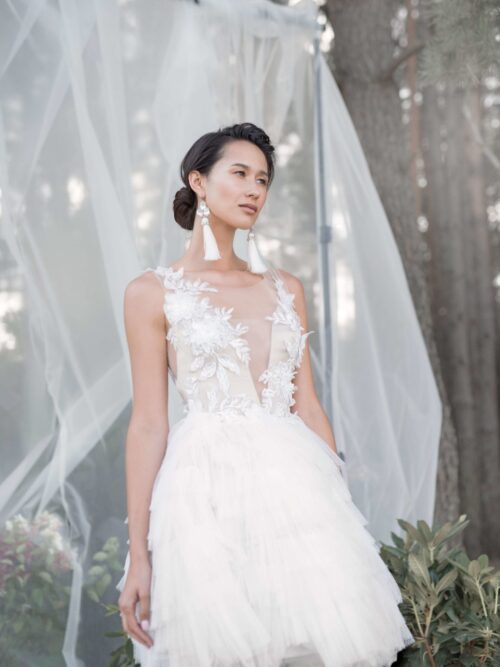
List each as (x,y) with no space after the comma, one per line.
(279,377)
(218,347)
(211,336)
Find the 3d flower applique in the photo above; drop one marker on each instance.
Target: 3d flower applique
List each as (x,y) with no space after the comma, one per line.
(217,345)
(211,338)
(284,312)
(183,306)
(286,315)
(277,396)
(219,348)
(297,347)
(174,279)
(236,404)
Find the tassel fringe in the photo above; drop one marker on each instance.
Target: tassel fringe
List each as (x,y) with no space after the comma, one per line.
(255,261)
(209,243)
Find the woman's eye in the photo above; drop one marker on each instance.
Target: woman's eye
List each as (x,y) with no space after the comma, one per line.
(263,180)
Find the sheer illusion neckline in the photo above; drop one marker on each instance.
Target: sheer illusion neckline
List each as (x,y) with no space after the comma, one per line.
(197,276)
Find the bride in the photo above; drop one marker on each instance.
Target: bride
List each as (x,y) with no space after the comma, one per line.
(245,547)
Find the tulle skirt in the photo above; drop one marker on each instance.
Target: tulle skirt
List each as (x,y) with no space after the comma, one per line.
(259,556)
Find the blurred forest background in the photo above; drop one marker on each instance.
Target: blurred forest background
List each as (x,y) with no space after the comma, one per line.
(421,79)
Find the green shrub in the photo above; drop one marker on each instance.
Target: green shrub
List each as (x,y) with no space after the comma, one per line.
(123,654)
(450,602)
(108,562)
(35,573)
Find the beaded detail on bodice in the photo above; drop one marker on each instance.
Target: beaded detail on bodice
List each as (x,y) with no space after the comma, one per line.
(218,336)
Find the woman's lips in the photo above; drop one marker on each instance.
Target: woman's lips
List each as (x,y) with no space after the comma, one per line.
(248,208)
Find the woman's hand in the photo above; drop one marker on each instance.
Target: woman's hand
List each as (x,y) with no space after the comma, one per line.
(137,588)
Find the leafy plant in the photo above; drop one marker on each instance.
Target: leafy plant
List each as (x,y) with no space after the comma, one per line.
(36,563)
(122,655)
(35,572)
(108,561)
(450,603)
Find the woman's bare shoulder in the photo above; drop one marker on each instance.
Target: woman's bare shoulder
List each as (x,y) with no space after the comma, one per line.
(291,281)
(144,293)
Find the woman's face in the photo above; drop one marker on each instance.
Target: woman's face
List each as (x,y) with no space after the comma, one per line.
(239,177)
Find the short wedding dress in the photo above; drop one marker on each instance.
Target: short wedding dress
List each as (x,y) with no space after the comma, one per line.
(259,556)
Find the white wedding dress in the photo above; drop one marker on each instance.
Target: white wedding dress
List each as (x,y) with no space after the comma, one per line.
(259,556)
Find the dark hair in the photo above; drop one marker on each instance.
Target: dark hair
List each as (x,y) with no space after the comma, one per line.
(204,153)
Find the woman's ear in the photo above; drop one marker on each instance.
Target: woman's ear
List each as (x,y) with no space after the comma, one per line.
(197,183)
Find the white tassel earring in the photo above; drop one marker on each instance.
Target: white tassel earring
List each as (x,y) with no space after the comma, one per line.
(209,241)
(255,261)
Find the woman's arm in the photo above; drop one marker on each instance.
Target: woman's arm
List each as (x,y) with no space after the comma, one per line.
(146,441)
(148,428)
(307,403)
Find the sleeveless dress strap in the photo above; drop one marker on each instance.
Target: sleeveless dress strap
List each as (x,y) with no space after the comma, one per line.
(155,271)
(274,272)
(169,278)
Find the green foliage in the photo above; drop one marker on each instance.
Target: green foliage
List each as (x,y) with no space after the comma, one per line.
(450,603)
(35,573)
(36,564)
(123,655)
(108,561)
(464,44)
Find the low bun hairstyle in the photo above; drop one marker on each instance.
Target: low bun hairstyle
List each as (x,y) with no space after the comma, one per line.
(204,153)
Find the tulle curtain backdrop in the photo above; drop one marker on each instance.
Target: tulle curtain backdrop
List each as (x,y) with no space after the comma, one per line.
(99,102)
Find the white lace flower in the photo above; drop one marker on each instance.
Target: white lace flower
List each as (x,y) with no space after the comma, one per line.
(183,306)
(175,280)
(296,346)
(277,396)
(206,335)
(219,348)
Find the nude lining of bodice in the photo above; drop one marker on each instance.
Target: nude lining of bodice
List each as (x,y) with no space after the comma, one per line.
(231,348)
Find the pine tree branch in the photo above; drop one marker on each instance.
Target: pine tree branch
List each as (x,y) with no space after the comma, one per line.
(403,57)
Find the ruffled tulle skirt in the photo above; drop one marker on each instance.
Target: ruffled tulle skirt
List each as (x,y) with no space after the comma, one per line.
(259,556)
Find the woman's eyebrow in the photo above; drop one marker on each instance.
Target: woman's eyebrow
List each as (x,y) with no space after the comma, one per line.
(240,164)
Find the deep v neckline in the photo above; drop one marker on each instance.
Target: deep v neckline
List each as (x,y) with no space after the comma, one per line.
(210,342)
(199,284)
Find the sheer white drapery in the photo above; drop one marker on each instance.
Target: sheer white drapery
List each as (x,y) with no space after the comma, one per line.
(99,102)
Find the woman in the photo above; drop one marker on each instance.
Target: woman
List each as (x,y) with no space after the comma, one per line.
(245,547)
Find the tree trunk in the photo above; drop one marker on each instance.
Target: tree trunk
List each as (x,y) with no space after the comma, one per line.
(441,125)
(482,327)
(463,299)
(363,52)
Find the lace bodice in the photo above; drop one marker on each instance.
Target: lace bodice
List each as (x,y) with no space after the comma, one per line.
(232,349)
